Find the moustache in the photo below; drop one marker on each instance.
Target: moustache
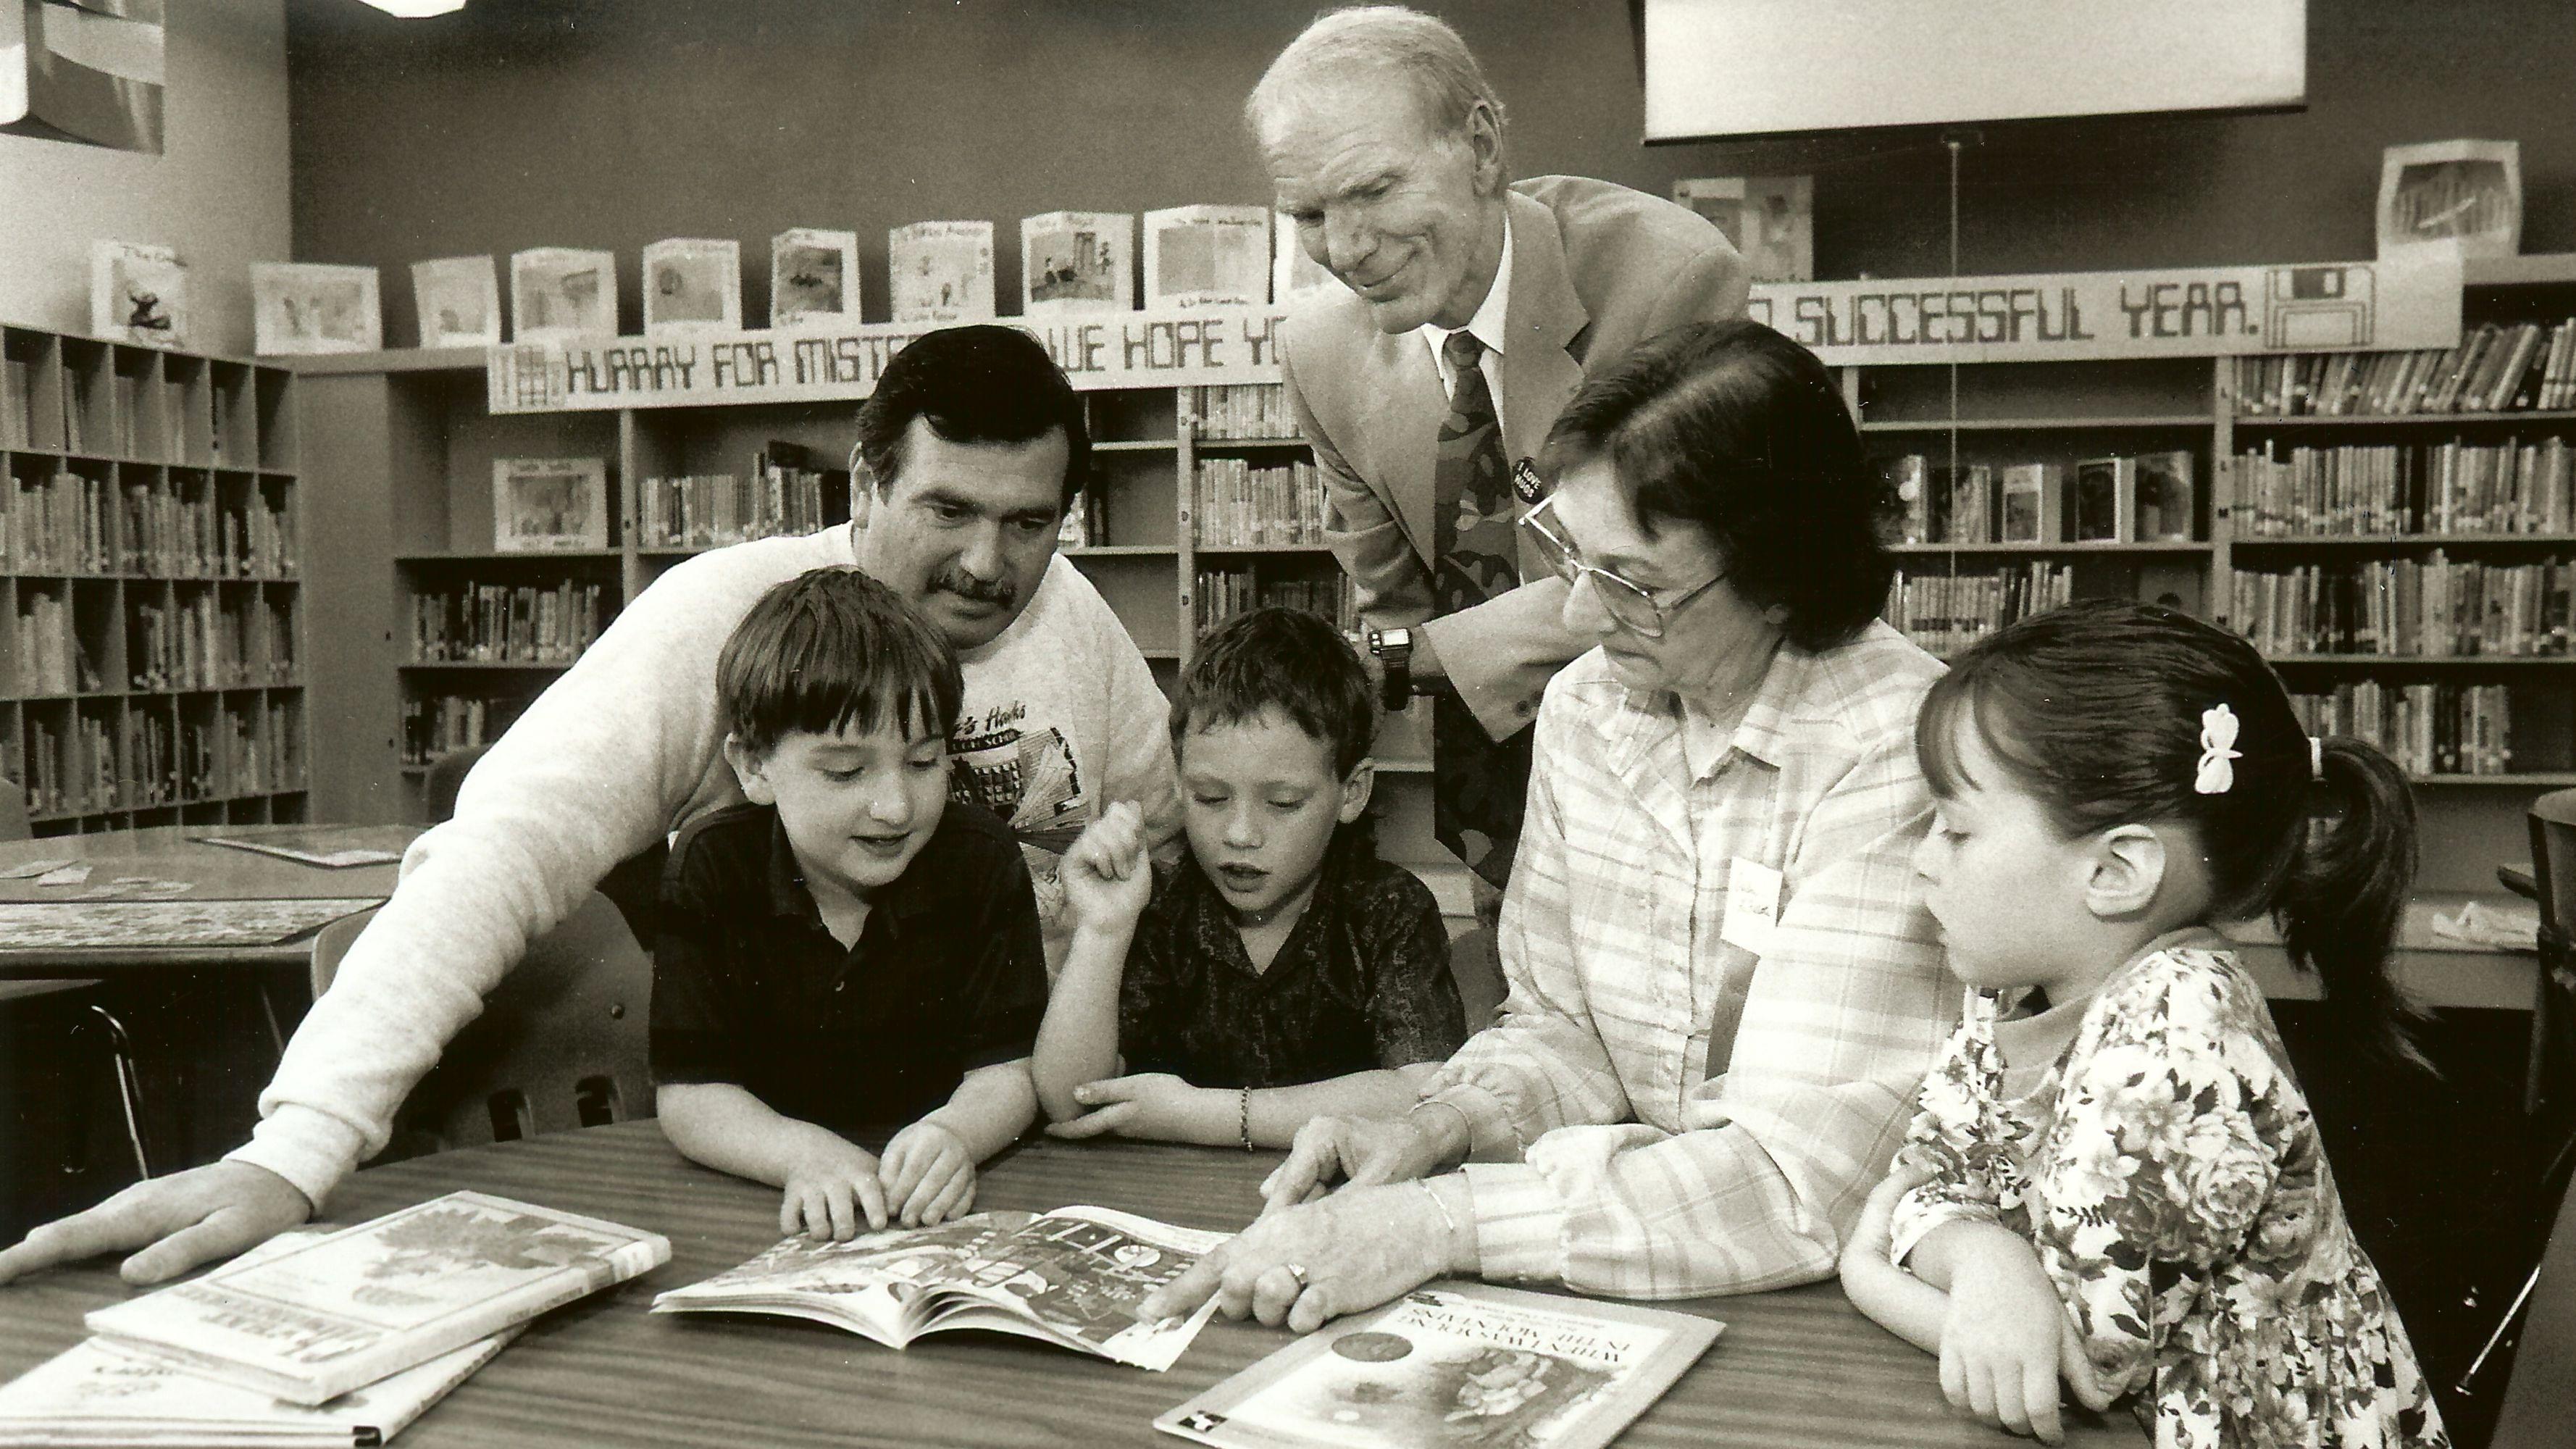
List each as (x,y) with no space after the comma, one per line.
(952,580)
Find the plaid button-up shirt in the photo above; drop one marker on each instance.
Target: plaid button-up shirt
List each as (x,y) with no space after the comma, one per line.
(1677,1116)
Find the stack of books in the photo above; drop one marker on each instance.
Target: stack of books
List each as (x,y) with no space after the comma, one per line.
(2526,486)
(1237,411)
(1223,593)
(1238,505)
(785,494)
(2408,609)
(503,624)
(272,1348)
(2447,729)
(2498,367)
(1945,613)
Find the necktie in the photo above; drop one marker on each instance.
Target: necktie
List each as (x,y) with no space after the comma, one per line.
(1477,785)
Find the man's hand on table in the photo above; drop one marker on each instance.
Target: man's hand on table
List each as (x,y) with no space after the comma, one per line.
(178,1221)
(1303,1267)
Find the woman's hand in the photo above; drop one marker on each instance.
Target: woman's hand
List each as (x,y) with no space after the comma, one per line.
(1361,1150)
(1351,1251)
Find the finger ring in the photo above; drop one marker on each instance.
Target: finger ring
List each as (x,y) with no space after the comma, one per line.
(1296,1271)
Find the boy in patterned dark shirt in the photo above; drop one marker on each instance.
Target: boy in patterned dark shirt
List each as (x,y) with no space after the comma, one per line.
(1284,972)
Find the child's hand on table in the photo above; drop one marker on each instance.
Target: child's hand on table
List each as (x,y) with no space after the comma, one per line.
(2006,1340)
(1108,875)
(832,1190)
(1155,1106)
(929,1175)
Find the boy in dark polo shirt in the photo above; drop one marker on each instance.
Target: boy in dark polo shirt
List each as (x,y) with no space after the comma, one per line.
(1283,971)
(847,950)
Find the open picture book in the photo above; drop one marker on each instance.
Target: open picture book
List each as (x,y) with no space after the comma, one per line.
(1073,1277)
(1457,1365)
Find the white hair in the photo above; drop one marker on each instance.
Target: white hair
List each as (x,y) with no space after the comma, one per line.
(1420,50)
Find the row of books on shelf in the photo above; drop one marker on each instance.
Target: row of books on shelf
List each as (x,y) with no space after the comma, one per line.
(1239,504)
(1086,523)
(2149,498)
(433,725)
(782,494)
(1945,613)
(504,624)
(2406,608)
(199,645)
(17,403)
(71,524)
(2497,367)
(1223,593)
(85,765)
(2448,729)
(1234,411)
(2526,486)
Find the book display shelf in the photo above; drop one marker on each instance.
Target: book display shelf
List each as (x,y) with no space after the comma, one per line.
(152,666)
(1194,502)
(2406,564)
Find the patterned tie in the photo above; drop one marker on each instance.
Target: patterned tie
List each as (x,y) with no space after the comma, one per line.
(1477,785)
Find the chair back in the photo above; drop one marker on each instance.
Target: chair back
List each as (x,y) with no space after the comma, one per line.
(563,1041)
(446,776)
(2540,1397)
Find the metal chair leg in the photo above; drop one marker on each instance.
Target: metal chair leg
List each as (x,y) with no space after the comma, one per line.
(129,1090)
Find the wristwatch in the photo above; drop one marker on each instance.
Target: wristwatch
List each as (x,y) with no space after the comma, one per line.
(1393,649)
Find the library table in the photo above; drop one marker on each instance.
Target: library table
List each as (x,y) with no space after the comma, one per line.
(217,873)
(1796,1368)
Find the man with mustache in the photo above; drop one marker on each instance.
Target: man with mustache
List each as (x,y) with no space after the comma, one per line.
(1476,306)
(973,445)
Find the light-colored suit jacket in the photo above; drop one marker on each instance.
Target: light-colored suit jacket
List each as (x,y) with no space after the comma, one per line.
(1596,269)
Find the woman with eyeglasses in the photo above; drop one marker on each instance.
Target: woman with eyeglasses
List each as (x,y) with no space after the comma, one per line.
(1723,984)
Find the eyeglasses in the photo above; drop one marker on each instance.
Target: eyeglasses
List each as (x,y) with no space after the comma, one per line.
(1634,606)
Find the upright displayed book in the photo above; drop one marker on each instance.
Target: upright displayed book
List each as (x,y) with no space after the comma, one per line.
(138,293)
(1207,256)
(813,277)
(2103,502)
(940,272)
(305,307)
(1908,480)
(561,293)
(1073,1277)
(325,1317)
(1462,1366)
(1294,274)
(548,505)
(693,284)
(2165,497)
(1770,219)
(459,301)
(1076,262)
(2032,504)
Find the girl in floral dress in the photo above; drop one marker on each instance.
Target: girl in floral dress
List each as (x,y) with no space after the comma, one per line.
(2114,1176)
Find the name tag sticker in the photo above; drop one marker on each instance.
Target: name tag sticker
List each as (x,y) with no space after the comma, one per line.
(1752,905)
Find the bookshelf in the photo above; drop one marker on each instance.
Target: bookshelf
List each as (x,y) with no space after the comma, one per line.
(152,668)
(2407,569)
(406,444)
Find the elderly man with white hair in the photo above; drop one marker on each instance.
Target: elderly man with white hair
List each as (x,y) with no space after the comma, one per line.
(1476,306)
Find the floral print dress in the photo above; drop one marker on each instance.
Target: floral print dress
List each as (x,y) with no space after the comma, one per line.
(2168,1172)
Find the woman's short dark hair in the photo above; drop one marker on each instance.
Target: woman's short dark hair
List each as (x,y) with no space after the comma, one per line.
(1738,430)
(981,384)
(831,648)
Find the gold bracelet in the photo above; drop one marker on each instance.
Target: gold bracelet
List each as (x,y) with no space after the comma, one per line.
(1243,1121)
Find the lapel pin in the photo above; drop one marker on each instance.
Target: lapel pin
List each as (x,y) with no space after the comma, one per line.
(1525,482)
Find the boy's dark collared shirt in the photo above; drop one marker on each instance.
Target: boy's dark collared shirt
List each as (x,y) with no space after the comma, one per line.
(1362,981)
(949,973)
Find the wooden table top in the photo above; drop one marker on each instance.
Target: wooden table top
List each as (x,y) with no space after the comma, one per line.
(1796,1368)
(218,873)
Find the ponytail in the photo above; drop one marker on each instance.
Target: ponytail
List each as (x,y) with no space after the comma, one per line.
(2339,906)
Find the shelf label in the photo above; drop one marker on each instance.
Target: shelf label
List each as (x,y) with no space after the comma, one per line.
(2190,312)
(1165,348)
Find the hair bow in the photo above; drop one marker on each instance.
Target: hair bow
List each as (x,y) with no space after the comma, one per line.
(2218,750)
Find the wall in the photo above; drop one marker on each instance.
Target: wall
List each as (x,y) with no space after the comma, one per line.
(218,194)
(613,123)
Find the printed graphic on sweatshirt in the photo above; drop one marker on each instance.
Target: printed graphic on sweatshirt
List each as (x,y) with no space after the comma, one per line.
(1031,781)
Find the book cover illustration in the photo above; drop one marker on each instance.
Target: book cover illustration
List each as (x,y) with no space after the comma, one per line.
(459,301)
(138,293)
(1293,273)
(2450,199)
(692,284)
(549,505)
(100,1393)
(941,271)
(1074,1277)
(2165,496)
(2105,498)
(813,277)
(1207,256)
(561,293)
(325,1317)
(304,308)
(1770,219)
(2031,503)
(1466,1366)
(1077,261)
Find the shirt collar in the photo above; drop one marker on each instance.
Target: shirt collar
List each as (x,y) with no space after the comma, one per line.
(790,897)
(1491,315)
(1761,734)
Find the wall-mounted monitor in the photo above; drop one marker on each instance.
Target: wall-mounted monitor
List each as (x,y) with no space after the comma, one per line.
(1727,68)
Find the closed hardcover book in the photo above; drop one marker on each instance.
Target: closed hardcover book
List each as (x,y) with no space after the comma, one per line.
(2105,498)
(2029,509)
(313,1323)
(1460,1365)
(2165,496)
